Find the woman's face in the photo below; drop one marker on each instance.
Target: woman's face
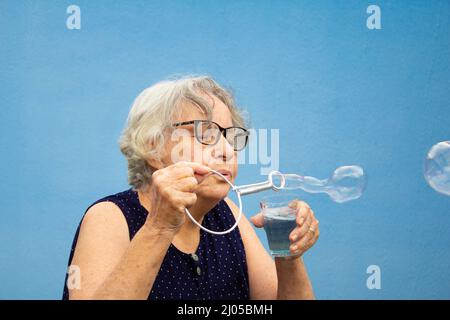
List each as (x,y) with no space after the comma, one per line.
(181,145)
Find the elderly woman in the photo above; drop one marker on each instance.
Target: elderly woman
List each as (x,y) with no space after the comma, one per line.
(139,244)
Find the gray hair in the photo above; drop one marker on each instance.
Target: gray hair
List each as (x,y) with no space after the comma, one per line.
(151,116)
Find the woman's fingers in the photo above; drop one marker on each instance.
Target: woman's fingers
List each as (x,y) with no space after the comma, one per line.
(181,172)
(184,169)
(183,200)
(304,220)
(307,240)
(307,231)
(306,224)
(187,184)
(302,210)
(300,230)
(257,220)
(172,190)
(295,235)
(310,237)
(181,175)
(197,168)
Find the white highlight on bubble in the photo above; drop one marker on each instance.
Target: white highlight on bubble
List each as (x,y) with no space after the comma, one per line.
(437,167)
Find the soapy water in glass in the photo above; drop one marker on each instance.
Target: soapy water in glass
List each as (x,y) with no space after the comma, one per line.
(345,184)
(437,167)
(279,221)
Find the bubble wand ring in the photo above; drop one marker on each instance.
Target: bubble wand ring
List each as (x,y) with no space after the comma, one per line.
(241,190)
(233,187)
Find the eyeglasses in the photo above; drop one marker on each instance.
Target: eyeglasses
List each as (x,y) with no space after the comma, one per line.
(208,132)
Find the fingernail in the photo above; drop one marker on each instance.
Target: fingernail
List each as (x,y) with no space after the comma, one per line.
(294,248)
(294,237)
(302,220)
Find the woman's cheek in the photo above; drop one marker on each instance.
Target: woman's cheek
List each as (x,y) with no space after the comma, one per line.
(235,167)
(181,149)
(213,190)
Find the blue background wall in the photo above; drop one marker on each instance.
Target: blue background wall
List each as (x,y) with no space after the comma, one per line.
(339,93)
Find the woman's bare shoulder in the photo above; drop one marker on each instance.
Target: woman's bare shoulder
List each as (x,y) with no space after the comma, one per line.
(104,217)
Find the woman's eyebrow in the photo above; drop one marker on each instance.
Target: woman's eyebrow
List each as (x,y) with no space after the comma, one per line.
(188,127)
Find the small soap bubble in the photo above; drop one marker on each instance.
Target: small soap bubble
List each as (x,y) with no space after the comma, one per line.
(437,167)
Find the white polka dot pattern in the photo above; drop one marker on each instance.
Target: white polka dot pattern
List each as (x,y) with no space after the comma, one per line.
(217,269)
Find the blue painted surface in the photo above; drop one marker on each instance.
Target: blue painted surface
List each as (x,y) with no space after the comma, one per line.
(339,93)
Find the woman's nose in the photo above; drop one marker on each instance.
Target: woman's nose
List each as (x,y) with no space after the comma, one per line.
(223,150)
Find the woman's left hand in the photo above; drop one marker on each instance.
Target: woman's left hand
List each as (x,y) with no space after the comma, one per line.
(305,234)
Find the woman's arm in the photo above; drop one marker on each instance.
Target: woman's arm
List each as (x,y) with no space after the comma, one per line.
(293,280)
(280,279)
(261,267)
(111,266)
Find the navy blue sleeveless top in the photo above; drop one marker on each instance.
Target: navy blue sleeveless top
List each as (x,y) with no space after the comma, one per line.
(217,270)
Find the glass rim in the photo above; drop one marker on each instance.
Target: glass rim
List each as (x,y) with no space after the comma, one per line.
(278,199)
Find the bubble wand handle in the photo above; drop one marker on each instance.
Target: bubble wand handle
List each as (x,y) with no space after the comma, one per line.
(261,186)
(241,190)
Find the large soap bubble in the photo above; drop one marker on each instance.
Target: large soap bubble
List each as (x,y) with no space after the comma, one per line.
(345,184)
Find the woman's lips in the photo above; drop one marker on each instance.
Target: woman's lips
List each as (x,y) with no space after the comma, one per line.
(225,173)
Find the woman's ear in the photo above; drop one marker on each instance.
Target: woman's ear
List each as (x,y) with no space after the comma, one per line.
(155,164)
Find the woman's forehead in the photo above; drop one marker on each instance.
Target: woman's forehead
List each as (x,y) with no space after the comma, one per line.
(220,113)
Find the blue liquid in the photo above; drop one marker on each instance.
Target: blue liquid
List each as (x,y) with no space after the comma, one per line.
(278,229)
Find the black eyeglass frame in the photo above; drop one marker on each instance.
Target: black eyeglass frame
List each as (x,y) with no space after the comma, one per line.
(222,130)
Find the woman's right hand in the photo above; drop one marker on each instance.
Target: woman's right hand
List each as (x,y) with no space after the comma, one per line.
(172,189)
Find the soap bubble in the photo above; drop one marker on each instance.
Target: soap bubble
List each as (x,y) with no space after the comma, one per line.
(345,183)
(437,167)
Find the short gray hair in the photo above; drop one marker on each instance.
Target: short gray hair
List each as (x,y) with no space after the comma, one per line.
(152,113)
